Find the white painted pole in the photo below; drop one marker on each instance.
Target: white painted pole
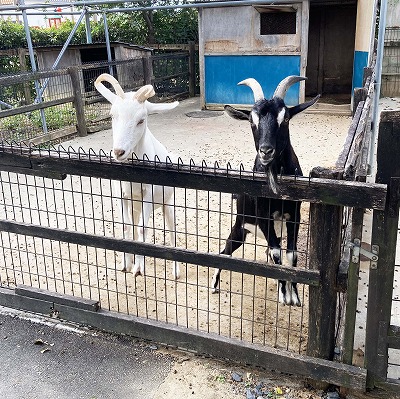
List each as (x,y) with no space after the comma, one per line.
(377,82)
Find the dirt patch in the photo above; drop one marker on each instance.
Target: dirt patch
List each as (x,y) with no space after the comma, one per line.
(194,377)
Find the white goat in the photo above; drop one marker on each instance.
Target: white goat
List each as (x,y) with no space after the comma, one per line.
(132,136)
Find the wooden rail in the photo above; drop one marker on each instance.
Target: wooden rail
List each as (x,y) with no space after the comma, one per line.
(314,190)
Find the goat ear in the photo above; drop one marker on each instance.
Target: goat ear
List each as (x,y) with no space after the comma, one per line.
(236,113)
(153,108)
(301,107)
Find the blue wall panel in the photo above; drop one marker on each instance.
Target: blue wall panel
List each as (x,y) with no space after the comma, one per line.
(223,72)
(360,62)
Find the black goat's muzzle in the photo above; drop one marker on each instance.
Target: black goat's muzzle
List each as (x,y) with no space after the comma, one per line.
(266,155)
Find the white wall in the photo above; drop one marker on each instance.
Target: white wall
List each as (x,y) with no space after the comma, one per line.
(393,13)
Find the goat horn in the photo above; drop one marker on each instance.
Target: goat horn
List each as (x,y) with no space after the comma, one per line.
(144,93)
(284,85)
(255,86)
(108,94)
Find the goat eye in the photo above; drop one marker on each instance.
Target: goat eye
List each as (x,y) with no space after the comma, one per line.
(286,120)
(140,122)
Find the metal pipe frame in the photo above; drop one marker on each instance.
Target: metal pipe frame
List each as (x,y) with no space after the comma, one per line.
(64,48)
(34,67)
(108,44)
(210,4)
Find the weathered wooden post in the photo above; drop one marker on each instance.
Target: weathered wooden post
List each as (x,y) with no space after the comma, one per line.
(22,63)
(353,161)
(147,70)
(78,102)
(360,93)
(325,241)
(192,69)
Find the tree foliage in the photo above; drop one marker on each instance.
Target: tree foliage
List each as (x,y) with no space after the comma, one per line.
(145,27)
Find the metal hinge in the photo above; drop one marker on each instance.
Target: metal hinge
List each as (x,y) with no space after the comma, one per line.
(373,255)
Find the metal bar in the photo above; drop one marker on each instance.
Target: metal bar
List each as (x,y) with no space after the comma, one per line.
(87,28)
(231,3)
(373,34)
(33,65)
(64,48)
(108,45)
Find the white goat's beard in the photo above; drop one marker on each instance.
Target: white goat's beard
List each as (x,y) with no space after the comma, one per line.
(272,181)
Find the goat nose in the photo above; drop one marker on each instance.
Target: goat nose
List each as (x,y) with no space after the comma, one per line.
(267,152)
(118,152)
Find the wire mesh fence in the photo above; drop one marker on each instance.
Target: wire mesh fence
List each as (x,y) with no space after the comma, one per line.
(391,63)
(394,354)
(42,107)
(246,306)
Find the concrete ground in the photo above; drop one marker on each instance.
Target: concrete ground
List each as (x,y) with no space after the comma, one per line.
(43,358)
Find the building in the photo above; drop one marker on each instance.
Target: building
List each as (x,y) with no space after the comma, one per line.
(127,73)
(327,41)
(391,57)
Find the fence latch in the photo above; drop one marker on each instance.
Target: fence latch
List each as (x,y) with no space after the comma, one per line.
(373,255)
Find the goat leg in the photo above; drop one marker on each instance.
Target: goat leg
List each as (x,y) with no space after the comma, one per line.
(291,256)
(169,213)
(138,267)
(127,219)
(235,240)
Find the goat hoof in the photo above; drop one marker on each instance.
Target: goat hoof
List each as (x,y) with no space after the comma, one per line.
(214,290)
(295,302)
(138,273)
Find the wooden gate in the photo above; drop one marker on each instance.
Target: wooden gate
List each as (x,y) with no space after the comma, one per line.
(382,347)
(48,222)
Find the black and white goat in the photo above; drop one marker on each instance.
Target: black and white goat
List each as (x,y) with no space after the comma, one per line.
(132,136)
(269,121)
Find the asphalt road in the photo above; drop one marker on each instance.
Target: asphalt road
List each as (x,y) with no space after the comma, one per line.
(44,359)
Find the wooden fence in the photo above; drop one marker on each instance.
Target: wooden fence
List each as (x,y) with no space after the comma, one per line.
(70,104)
(39,239)
(326,197)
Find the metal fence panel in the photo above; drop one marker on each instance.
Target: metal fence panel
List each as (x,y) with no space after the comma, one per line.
(246,307)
